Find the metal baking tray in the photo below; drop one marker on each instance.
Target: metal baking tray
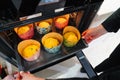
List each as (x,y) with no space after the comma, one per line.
(46,59)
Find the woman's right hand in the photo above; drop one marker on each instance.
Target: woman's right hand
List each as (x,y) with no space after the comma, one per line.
(93,33)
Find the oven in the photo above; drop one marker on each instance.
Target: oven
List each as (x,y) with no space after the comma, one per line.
(81,14)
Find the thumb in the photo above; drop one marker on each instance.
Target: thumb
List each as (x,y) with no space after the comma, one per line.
(22,73)
(84,34)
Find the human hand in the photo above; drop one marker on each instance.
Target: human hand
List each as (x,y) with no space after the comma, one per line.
(93,33)
(28,76)
(9,77)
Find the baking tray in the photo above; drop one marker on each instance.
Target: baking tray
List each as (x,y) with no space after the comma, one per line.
(46,59)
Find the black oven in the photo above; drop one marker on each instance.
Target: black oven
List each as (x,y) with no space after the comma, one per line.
(81,14)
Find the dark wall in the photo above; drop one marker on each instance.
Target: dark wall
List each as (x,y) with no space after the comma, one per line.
(7,9)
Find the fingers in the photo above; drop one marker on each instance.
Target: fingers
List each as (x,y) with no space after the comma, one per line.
(22,73)
(83,34)
(88,39)
(17,76)
(87,35)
